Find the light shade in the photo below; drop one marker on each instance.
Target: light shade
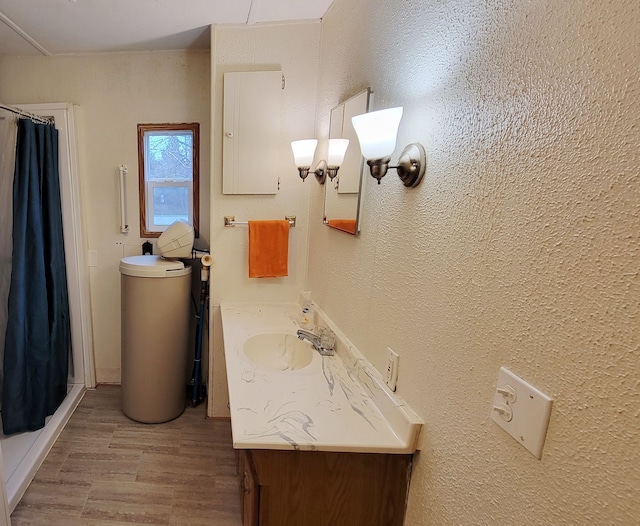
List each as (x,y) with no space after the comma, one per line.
(377,132)
(303,151)
(337,150)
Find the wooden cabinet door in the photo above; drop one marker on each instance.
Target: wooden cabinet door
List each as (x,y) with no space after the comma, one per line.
(249,489)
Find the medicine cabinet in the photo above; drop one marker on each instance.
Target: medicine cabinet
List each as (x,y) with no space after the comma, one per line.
(251,142)
(343,195)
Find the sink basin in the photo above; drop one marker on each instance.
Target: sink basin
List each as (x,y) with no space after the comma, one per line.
(278,352)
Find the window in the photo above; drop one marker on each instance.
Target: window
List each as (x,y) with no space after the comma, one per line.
(168,172)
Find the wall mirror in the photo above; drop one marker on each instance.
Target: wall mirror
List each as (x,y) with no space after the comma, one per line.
(343,194)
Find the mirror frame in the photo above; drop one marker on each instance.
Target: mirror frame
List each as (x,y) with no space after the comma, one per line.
(333,185)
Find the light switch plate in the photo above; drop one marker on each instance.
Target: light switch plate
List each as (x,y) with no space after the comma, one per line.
(529,411)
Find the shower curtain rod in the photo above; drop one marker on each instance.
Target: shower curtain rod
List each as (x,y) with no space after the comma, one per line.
(22,113)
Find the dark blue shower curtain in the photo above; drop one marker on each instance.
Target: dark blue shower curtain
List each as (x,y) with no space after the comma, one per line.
(38,337)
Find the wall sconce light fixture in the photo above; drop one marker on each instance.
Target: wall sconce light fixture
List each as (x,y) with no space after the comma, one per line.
(304,150)
(377,132)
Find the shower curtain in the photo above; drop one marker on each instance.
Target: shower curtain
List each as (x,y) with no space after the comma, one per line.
(38,334)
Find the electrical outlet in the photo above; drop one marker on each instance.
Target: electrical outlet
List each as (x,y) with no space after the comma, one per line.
(391,371)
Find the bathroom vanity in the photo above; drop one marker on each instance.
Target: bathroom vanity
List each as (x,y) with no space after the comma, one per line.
(319,439)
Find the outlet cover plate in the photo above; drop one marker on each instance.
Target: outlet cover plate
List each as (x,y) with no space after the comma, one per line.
(531,411)
(391,371)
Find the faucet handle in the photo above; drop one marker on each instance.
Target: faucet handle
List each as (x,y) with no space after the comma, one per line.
(327,338)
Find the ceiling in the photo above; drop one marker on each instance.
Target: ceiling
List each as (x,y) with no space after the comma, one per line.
(54,27)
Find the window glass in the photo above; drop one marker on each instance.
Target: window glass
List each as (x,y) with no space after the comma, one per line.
(170,204)
(168,175)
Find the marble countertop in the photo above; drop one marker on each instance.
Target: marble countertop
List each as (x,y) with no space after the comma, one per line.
(336,403)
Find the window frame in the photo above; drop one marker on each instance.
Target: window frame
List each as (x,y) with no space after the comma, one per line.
(145,187)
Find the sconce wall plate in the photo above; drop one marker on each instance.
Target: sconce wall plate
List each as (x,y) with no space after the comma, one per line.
(412,164)
(321,172)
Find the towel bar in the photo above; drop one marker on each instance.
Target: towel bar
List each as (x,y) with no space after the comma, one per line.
(231,221)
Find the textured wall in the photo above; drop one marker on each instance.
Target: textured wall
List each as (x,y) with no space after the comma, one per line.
(294,49)
(115,92)
(520,248)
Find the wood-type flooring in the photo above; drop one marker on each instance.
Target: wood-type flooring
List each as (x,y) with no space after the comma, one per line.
(107,470)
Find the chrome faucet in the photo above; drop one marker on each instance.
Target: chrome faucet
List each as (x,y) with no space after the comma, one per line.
(316,341)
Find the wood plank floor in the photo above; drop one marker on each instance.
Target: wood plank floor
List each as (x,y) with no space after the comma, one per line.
(106,469)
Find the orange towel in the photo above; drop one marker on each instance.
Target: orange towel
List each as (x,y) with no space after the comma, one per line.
(346,225)
(268,249)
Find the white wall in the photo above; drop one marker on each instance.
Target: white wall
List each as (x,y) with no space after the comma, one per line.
(294,49)
(520,248)
(114,92)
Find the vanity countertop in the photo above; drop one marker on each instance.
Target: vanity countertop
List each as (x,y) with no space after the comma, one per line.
(336,403)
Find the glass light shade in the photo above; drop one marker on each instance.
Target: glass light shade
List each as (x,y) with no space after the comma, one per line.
(337,150)
(303,151)
(377,132)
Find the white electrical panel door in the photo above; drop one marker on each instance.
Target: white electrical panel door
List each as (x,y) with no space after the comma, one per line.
(251,132)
